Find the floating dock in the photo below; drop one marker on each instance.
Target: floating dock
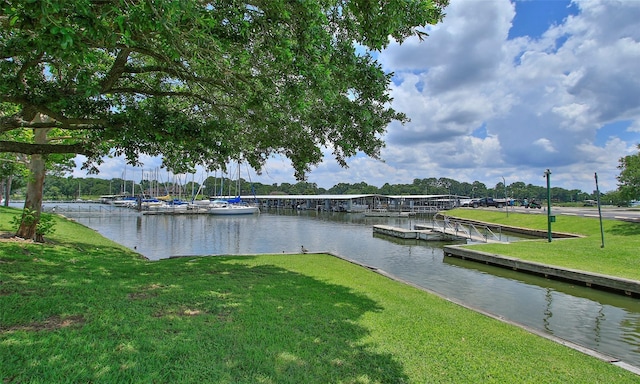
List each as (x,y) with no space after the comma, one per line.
(420,234)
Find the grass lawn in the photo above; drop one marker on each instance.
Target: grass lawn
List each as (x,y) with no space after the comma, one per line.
(619,257)
(84,309)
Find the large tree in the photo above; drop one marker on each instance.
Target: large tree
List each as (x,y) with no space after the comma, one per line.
(629,178)
(199,82)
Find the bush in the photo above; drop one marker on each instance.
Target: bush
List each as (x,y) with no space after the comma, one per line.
(45,226)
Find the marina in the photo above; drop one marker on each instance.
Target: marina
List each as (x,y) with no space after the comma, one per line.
(600,320)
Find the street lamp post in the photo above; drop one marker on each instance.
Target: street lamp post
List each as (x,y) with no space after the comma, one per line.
(547,174)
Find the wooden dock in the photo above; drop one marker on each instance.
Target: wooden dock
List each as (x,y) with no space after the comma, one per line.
(590,279)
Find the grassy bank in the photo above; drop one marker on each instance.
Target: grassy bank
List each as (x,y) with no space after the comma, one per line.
(83,309)
(619,257)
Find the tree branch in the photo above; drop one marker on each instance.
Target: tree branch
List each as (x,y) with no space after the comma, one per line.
(117,69)
(29,64)
(44,149)
(149,92)
(10,124)
(173,72)
(154,54)
(60,121)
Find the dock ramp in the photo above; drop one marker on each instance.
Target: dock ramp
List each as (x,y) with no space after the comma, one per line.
(467,231)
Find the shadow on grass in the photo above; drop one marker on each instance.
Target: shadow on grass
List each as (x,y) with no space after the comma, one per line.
(210,319)
(267,323)
(625,229)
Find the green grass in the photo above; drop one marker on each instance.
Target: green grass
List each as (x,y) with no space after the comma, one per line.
(619,257)
(83,309)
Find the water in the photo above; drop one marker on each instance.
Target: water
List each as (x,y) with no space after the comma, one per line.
(606,322)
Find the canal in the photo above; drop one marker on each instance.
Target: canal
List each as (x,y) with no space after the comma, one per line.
(606,322)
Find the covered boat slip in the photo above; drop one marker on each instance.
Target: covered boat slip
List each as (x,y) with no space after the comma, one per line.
(360,203)
(367,204)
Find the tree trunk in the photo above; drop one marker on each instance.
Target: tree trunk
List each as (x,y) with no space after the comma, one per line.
(7,193)
(33,199)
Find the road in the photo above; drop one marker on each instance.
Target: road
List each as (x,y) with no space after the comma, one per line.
(608,212)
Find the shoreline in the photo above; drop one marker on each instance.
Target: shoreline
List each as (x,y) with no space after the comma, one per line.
(588,351)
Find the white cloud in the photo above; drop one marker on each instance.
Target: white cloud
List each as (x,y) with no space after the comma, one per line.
(545,145)
(542,100)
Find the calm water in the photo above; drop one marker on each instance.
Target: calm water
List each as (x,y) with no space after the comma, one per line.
(606,322)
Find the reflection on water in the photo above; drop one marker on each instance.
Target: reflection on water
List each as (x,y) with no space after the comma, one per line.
(606,322)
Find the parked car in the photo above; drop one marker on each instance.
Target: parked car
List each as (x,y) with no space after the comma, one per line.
(487,202)
(466,202)
(531,204)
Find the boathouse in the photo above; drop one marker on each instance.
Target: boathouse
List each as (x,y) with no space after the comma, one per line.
(359,203)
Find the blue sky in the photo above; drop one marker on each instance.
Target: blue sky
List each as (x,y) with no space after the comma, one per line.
(533,17)
(500,89)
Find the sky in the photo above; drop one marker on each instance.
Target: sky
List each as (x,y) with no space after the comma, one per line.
(500,89)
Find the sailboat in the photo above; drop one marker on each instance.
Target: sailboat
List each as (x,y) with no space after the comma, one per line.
(234,206)
(229,207)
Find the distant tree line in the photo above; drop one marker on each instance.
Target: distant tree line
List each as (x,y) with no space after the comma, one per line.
(14,176)
(70,188)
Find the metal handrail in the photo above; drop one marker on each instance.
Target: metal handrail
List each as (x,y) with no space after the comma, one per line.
(467,229)
(455,227)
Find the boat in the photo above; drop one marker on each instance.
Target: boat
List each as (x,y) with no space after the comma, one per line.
(127,201)
(231,207)
(150,203)
(173,205)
